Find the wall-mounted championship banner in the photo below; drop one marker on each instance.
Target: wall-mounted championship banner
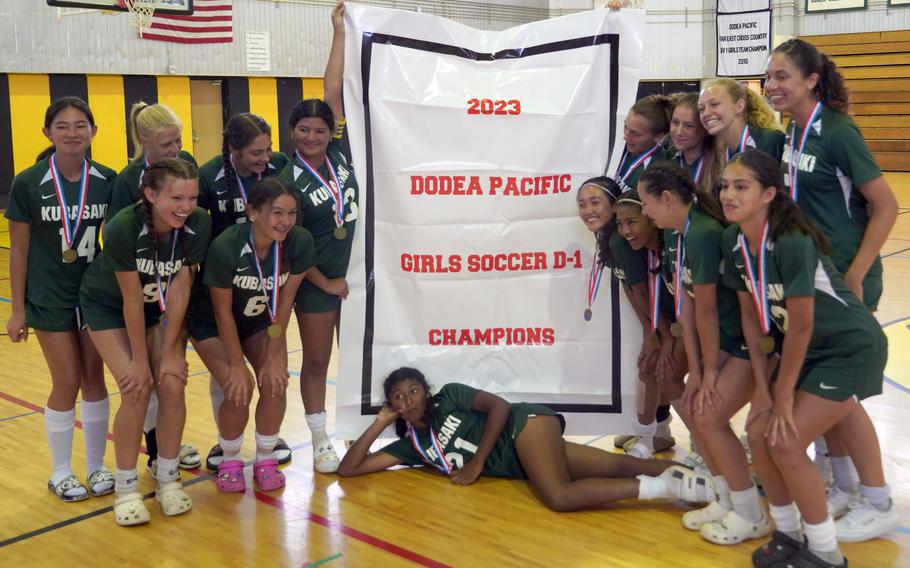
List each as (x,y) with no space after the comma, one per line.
(743,43)
(834,5)
(470,262)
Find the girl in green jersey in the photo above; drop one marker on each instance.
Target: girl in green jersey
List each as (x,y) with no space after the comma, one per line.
(739,118)
(252,273)
(321,170)
(55,213)
(831,174)
(720,376)
(644,129)
(465,433)
(135,299)
(832,355)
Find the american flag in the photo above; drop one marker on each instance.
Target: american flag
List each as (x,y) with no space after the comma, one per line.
(211,22)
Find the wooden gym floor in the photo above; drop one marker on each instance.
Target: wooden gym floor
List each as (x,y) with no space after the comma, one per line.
(389,519)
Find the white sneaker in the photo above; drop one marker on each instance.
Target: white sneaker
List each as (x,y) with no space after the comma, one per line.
(864,522)
(641,451)
(839,500)
(688,485)
(733,529)
(693,520)
(696,462)
(325,460)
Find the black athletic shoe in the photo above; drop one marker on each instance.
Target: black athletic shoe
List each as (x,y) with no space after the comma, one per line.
(779,550)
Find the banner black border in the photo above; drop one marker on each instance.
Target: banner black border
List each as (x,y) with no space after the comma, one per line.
(368,40)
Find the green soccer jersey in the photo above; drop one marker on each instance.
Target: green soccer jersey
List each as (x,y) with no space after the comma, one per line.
(627,177)
(842,325)
(768,140)
(835,162)
(128,248)
(703,264)
(126,184)
(231,263)
(459,428)
(50,282)
(629,266)
(318,208)
(219,191)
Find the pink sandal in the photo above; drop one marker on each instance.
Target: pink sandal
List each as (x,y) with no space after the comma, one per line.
(230,477)
(267,476)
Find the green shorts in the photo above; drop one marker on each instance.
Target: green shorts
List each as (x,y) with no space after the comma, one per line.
(200,329)
(313,300)
(733,347)
(53,319)
(858,374)
(100,317)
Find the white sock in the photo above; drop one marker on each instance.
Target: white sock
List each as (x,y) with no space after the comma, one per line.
(126,480)
(151,413)
(722,492)
(823,541)
(231,448)
(95,417)
(747,504)
(645,433)
(216,395)
(316,422)
(878,497)
(786,519)
(652,488)
(265,445)
(167,469)
(845,476)
(59,426)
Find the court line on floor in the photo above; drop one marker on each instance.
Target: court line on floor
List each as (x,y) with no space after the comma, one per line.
(323,561)
(895,252)
(888,380)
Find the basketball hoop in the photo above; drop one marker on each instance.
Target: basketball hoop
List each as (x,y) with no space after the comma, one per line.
(141,12)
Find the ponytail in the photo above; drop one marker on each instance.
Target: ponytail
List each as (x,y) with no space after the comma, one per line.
(666,176)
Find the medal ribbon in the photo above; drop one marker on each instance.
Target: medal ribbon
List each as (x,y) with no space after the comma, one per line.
(759,286)
(654,288)
(446,467)
(334,193)
(240,184)
(699,166)
(163,296)
(641,159)
(793,166)
(680,259)
(594,278)
(743,139)
(70,226)
(272,303)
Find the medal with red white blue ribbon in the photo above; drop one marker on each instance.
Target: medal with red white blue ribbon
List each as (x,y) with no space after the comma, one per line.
(594,278)
(676,328)
(240,185)
(793,166)
(758,286)
(699,166)
(743,140)
(274,330)
(165,294)
(70,225)
(441,464)
(632,167)
(334,193)
(654,294)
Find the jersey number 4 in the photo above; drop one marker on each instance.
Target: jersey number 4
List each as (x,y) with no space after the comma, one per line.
(86,246)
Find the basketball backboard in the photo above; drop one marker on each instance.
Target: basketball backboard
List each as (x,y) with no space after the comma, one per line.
(164,6)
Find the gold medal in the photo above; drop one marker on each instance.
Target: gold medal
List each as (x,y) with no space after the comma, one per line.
(274,331)
(767,345)
(340,233)
(654,341)
(70,256)
(588,314)
(676,329)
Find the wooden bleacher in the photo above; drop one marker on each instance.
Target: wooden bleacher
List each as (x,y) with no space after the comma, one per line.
(876,66)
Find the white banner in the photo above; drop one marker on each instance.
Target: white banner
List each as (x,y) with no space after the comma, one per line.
(730,6)
(743,43)
(469,260)
(834,5)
